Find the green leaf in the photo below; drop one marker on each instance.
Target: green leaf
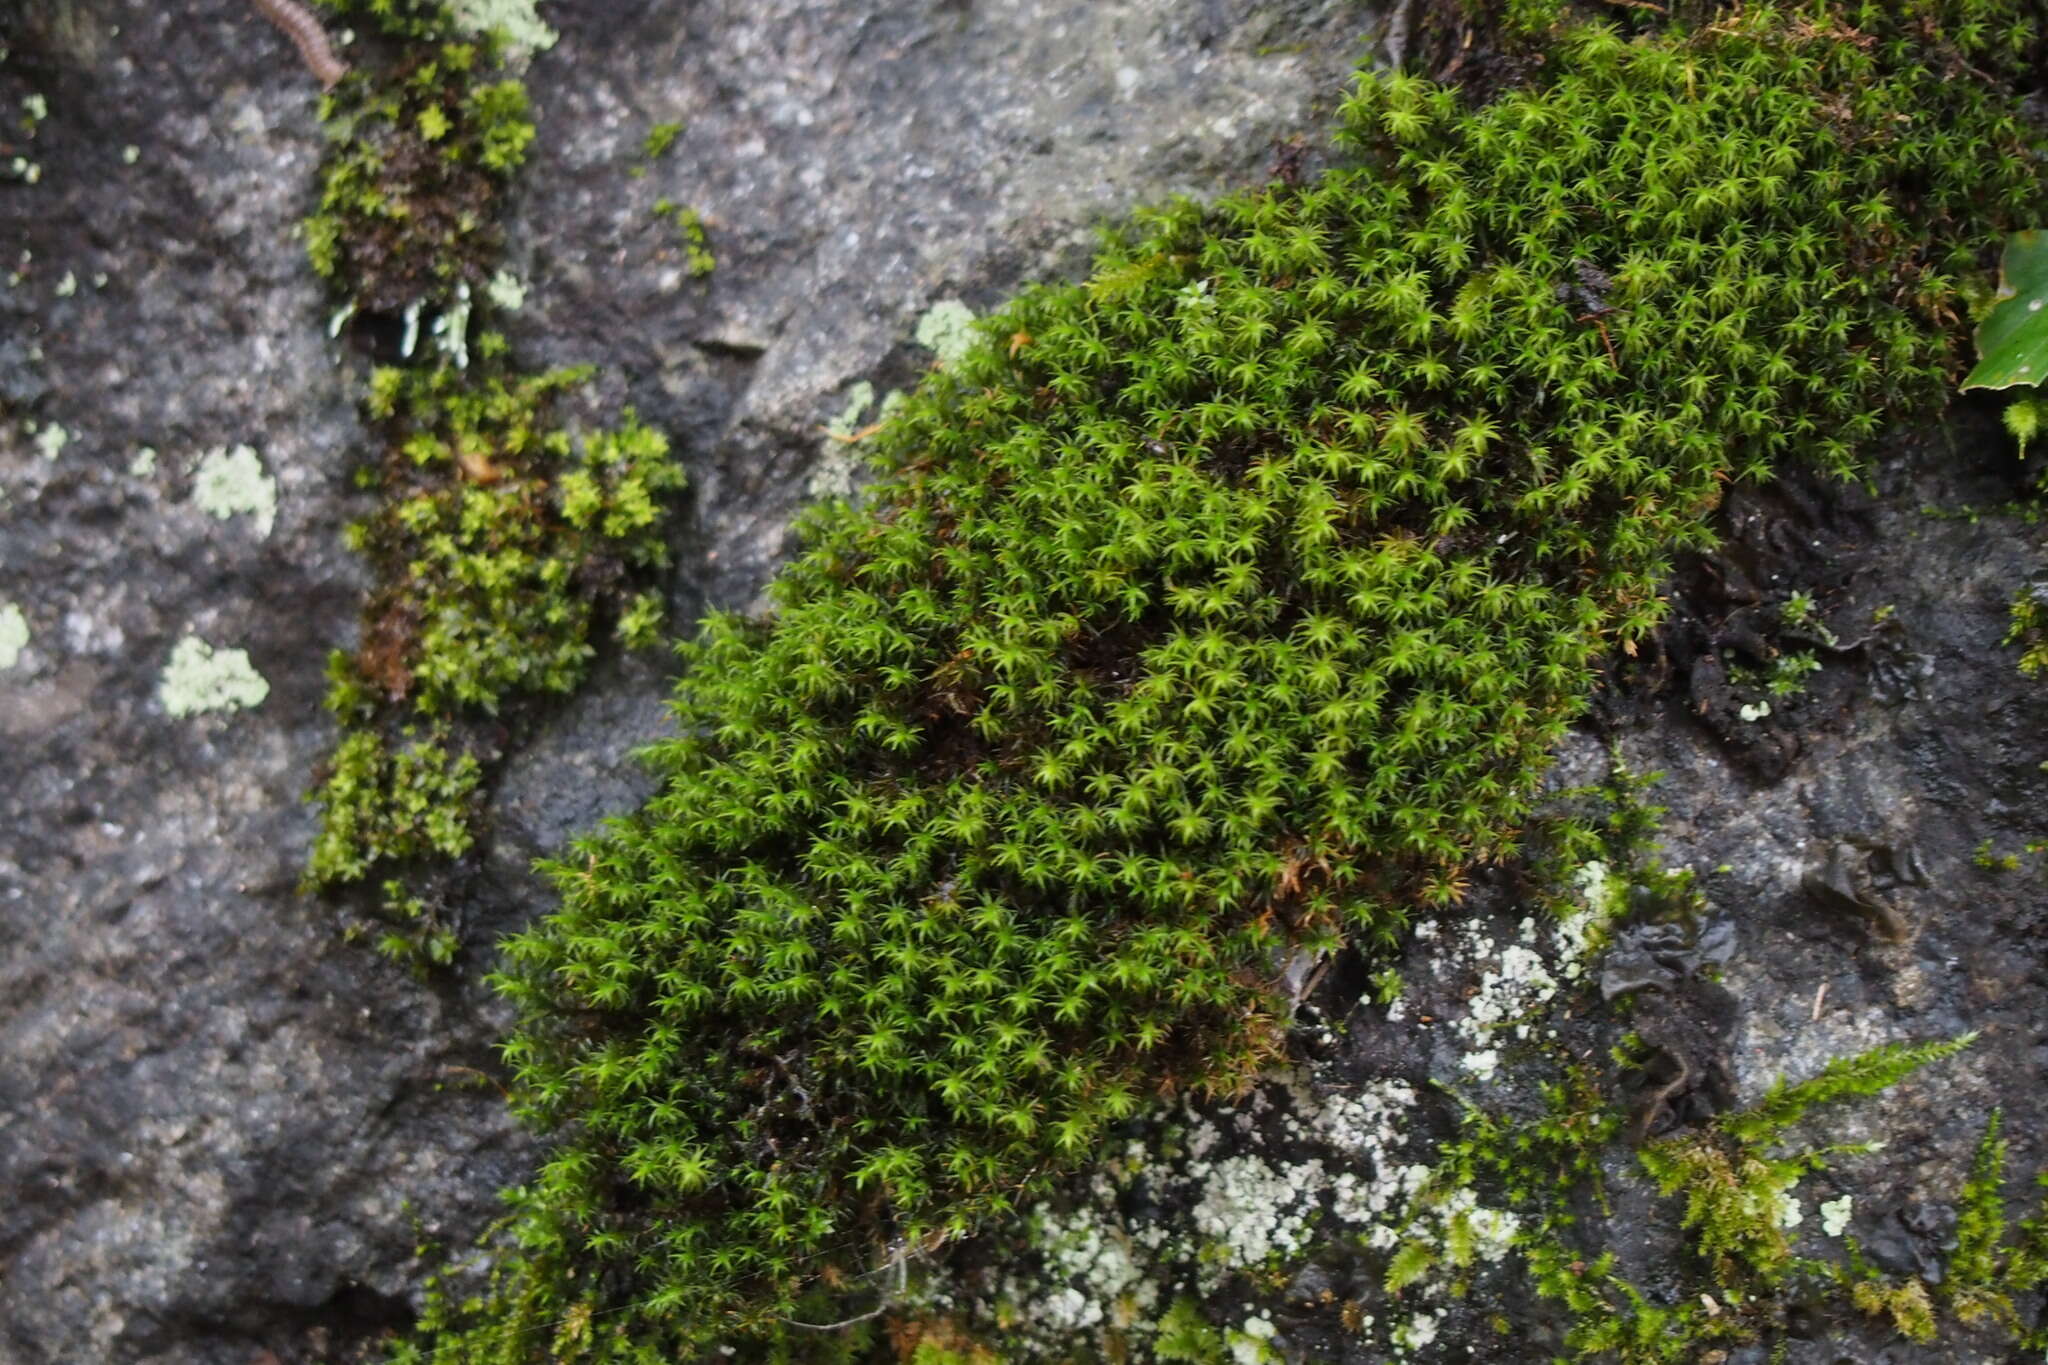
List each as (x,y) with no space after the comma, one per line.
(2012,341)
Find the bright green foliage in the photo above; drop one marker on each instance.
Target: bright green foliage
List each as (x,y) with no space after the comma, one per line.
(1867,1073)
(496,544)
(386,804)
(499,543)
(1972,1273)
(491,531)
(1735,1183)
(1185,1336)
(2012,341)
(2030,629)
(409,194)
(1906,1303)
(659,139)
(1228,601)
(1994,1265)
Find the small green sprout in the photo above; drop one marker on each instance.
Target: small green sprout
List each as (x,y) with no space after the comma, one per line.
(659,139)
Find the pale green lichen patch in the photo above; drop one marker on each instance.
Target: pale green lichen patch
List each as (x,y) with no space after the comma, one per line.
(517,21)
(13,635)
(200,678)
(144,463)
(859,399)
(947,328)
(51,440)
(233,483)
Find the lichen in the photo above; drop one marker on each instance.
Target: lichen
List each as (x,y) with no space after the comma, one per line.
(947,329)
(51,440)
(517,21)
(230,483)
(13,635)
(198,678)
(506,291)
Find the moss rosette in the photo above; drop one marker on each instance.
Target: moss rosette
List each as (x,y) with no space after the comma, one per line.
(1222,606)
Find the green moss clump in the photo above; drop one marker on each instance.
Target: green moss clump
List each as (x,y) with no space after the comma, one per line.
(697,255)
(497,543)
(1224,605)
(409,195)
(383,804)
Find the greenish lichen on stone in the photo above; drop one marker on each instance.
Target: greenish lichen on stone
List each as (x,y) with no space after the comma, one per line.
(517,21)
(51,440)
(13,634)
(198,678)
(506,291)
(947,330)
(229,483)
(859,399)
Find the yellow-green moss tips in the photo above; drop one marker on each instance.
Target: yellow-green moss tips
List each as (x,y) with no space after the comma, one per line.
(505,548)
(500,545)
(1224,605)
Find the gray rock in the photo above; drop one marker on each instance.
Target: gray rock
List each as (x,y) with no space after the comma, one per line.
(222,1130)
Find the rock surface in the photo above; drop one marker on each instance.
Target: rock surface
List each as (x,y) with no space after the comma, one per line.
(223,1130)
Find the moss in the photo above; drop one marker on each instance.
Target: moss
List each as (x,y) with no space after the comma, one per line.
(498,545)
(659,139)
(1737,1186)
(2030,629)
(1224,605)
(422,155)
(502,545)
(382,803)
(697,256)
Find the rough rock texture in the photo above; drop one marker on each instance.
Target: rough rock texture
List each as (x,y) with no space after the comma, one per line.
(218,1122)
(223,1131)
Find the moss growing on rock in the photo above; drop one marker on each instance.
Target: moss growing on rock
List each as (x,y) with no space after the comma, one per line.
(409,197)
(498,543)
(1222,606)
(501,542)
